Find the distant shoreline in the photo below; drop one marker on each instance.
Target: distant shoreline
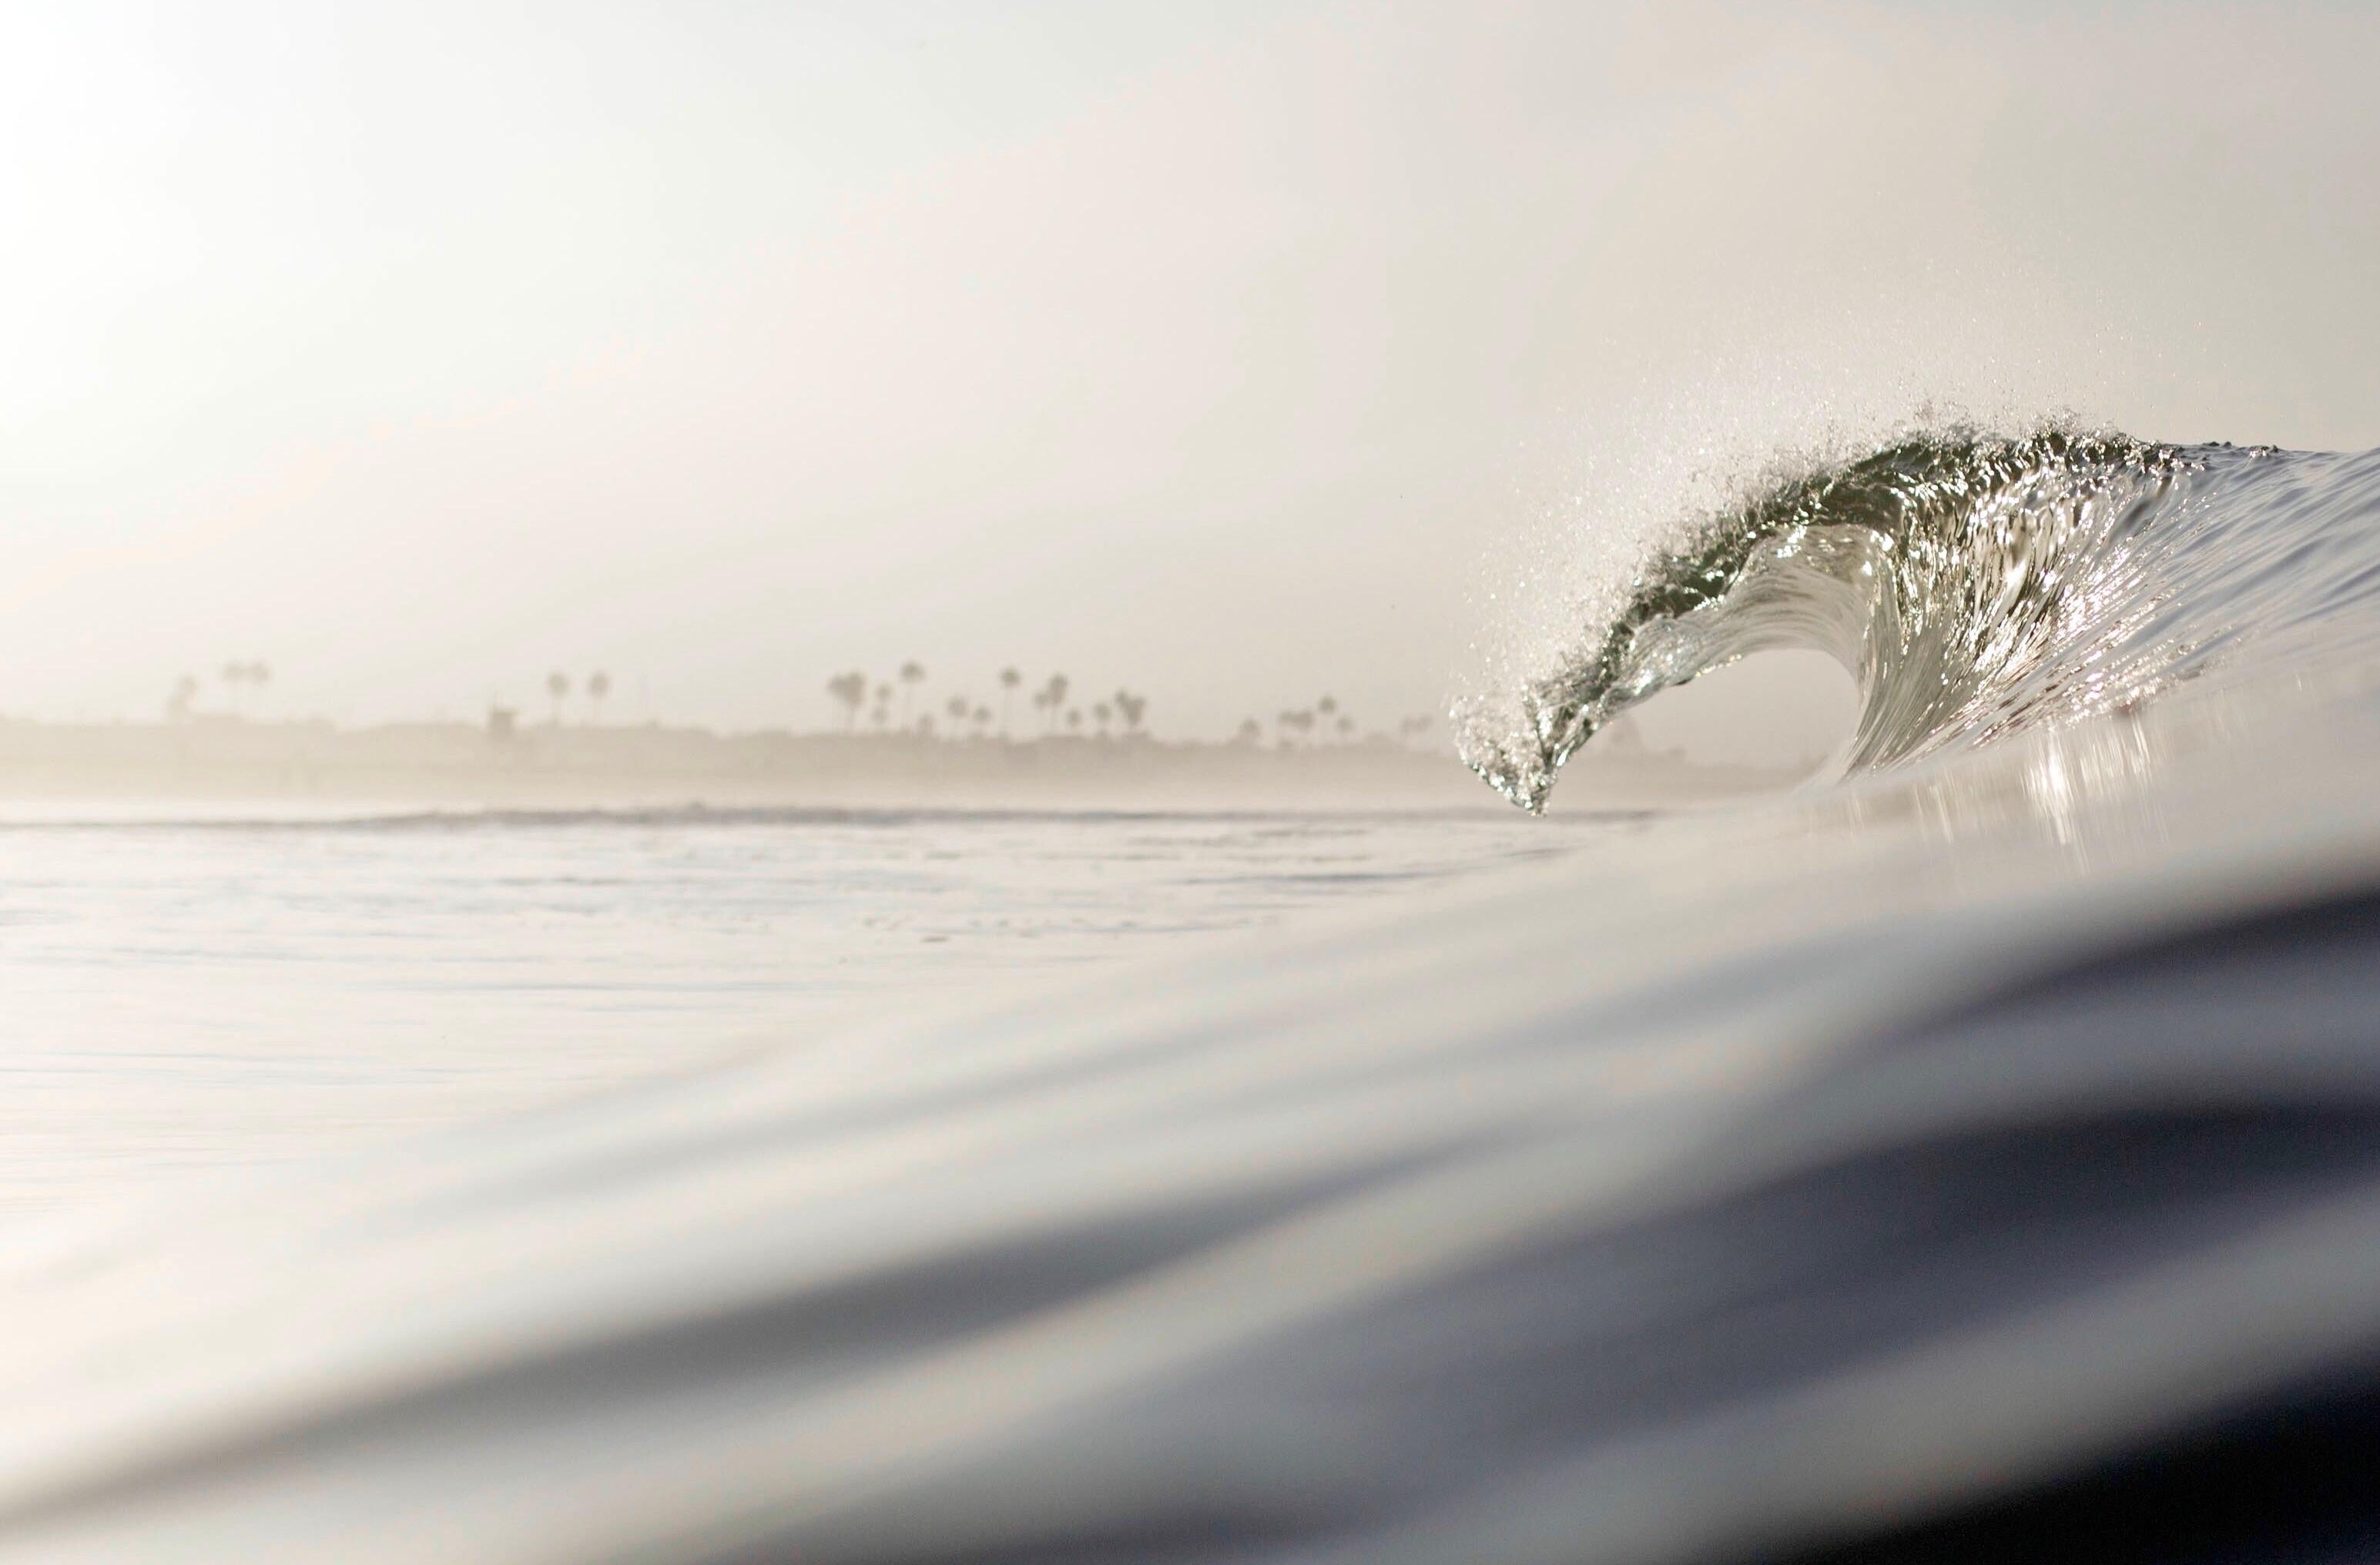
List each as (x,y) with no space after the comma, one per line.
(453,765)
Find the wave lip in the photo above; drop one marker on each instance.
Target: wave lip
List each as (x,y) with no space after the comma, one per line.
(1972,584)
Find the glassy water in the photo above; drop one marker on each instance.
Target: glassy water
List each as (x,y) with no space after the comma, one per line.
(189,994)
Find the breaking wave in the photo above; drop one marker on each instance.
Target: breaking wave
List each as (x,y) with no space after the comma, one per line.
(1976,584)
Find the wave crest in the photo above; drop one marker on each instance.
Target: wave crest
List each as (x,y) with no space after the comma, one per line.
(1970,583)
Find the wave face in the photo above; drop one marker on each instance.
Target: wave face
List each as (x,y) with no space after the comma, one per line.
(1973,585)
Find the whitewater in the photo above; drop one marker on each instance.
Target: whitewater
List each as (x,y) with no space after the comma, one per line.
(1973,1155)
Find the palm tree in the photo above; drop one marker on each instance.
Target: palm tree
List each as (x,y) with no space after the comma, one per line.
(1054,694)
(1009,679)
(911,673)
(239,674)
(1074,717)
(851,690)
(958,706)
(598,684)
(1103,714)
(1346,729)
(1250,731)
(1133,709)
(982,720)
(1326,705)
(557,685)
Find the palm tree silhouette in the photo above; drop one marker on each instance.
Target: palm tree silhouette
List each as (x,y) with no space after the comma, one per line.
(598,684)
(1009,679)
(1103,714)
(851,690)
(238,676)
(958,706)
(1250,731)
(912,673)
(982,720)
(1346,729)
(557,685)
(1074,717)
(1133,709)
(1326,705)
(1056,693)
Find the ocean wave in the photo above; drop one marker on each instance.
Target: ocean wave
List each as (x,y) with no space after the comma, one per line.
(1984,1162)
(1974,583)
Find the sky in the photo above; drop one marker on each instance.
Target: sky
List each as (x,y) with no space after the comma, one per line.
(1234,354)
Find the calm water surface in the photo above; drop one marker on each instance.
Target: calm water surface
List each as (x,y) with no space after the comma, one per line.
(194,994)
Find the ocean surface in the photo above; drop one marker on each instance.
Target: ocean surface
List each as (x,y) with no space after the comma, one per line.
(1972,1156)
(188,991)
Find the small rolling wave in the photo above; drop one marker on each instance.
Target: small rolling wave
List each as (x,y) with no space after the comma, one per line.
(1974,583)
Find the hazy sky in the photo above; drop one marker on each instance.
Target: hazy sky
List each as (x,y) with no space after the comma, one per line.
(1232,353)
